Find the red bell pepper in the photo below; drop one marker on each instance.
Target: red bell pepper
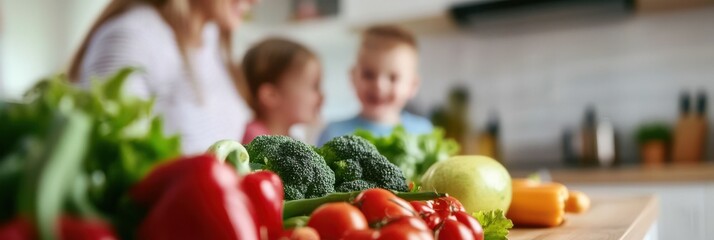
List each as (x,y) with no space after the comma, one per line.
(194,198)
(85,229)
(265,191)
(263,188)
(69,228)
(17,229)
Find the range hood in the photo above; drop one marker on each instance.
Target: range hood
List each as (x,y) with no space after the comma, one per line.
(527,14)
(512,16)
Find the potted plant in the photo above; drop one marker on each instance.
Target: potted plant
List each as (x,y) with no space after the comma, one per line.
(653,139)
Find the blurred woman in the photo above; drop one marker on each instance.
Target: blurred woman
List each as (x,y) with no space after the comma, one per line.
(183,51)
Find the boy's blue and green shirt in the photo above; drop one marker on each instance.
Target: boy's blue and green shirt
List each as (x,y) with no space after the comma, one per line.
(412,123)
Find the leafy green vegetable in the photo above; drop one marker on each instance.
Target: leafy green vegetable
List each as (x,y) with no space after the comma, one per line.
(50,177)
(125,139)
(495,224)
(413,153)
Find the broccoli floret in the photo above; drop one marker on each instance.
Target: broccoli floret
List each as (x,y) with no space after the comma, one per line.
(349,169)
(358,165)
(354,185)
(304,172)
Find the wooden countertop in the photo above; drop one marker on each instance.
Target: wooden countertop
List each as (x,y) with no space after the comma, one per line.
(703,172)
(613,217)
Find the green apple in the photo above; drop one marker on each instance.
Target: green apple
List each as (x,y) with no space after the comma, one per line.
(479,182)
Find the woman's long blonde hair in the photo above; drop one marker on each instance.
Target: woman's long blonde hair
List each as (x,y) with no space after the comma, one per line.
(177,15)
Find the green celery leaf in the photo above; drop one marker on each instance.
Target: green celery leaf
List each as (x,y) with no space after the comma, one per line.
(495,224)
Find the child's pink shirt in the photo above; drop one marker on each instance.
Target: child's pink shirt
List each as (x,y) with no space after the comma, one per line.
(253,129)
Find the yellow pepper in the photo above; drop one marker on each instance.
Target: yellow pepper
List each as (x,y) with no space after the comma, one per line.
(537,205)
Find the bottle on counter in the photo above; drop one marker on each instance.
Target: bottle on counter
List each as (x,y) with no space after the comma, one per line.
(690,131)
(487,143)
(569,143)
(457,123)
(588,135)
(598,141)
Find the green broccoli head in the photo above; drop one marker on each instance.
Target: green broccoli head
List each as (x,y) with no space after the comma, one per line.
(355,185)
(358,165)
(304,172)
(349,169)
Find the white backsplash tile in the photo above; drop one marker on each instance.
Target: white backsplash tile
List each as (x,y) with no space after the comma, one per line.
(632,71)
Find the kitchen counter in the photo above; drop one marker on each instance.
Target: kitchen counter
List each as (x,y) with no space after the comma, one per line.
(684,192)
(610,217)
(703,172)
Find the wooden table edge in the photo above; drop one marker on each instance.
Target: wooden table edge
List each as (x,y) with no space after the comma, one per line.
(645,209)
(644,221)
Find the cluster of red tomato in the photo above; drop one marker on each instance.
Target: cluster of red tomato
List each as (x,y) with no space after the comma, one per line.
(379,214)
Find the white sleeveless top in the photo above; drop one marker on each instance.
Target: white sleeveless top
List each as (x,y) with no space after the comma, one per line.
(141,38)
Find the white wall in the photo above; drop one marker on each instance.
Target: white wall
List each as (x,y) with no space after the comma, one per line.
(27,28)
(540,81)
(38,37)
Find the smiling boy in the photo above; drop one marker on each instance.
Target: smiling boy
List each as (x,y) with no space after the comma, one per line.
(385,77)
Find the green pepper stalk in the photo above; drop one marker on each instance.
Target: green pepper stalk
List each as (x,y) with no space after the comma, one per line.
(296,222)
(232,152)
(304,207)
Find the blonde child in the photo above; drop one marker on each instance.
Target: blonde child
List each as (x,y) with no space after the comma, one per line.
(385,78)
